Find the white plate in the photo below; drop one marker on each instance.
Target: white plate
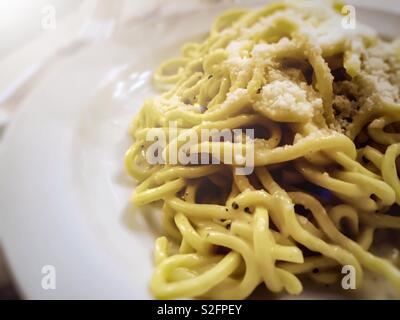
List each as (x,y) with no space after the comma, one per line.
(64,191)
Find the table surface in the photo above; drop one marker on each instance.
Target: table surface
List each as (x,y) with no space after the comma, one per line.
(28,41)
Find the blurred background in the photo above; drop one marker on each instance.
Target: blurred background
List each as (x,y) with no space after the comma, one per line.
(19,20)
(36,33)
(20,24)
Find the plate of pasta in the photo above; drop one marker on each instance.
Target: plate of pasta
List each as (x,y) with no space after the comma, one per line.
(228,152)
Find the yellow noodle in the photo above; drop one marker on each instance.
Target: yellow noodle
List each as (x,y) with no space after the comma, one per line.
(322,184)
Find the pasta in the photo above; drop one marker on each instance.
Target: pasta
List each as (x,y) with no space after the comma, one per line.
(324,105)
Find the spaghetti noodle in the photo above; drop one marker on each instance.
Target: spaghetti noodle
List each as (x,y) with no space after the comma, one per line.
(325,108)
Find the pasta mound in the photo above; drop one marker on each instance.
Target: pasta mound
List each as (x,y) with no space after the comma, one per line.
(324,104)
